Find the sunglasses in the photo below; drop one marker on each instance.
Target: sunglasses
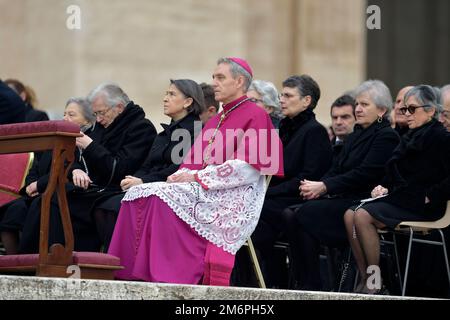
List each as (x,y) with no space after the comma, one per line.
(410,109)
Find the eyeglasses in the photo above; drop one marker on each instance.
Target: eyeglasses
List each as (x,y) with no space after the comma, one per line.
(287,95)
(410,109)
(254,100)
(101,113)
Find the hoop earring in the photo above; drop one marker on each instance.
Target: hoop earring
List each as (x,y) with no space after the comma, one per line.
(380,119)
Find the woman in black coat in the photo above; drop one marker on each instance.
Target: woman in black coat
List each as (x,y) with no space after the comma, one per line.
(307,155)
(416,186)
(183,103)
(13,214)
(12,108)
(109,155)
(28,97)
(359,167)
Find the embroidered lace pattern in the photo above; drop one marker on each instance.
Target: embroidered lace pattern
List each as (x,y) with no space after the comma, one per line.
(226,214)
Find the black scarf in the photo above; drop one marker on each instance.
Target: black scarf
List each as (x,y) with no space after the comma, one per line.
(414,139)
(288,126)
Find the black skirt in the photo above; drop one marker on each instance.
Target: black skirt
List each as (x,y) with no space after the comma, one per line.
(14,213)
(391,215)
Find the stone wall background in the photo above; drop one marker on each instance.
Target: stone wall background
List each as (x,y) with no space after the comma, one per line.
(413,44)
(141,44)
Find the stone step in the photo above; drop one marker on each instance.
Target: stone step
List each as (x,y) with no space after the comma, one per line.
(37,288)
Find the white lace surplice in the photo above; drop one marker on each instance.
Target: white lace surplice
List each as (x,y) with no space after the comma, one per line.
(224,207)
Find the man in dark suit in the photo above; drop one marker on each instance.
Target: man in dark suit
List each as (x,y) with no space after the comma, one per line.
(343,117)
(12,108)
(342,121)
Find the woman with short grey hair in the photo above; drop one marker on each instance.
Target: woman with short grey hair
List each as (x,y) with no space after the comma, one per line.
(118,147)
(265,95)
(428,97)
(411,190)
(379,93)
(80,107)
(359,167)
(14,215)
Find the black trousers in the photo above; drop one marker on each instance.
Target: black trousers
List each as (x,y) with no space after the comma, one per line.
(308,226)
(270,229)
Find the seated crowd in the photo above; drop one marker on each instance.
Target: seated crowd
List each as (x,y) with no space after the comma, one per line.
(177,206)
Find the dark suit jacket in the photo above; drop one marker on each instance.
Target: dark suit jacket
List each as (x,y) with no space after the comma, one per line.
(12,108)
(306,151)
(361,163)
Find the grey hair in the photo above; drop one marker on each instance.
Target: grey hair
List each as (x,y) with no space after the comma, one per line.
(379,93)
(268,93)
(85,106)
(237,70)
(438,94)
(445,89)
(427,96)
(112,93)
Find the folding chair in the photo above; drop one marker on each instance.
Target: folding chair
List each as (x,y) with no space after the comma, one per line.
(421,227)
(252,253)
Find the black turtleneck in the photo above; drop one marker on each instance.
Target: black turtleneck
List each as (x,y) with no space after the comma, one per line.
(289,126)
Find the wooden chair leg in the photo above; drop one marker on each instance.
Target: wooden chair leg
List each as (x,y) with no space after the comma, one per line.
(255,263)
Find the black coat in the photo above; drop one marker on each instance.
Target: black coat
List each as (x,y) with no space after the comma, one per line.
(12,108)
(159,165)
(419,168)
(40,169)
(359,168)
(307,155)
(306,151)
(13,214)
(361,163)
(116,151)
(121,149)
(32,115)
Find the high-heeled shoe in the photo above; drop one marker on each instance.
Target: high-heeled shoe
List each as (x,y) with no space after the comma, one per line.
(382,291)
(360,287)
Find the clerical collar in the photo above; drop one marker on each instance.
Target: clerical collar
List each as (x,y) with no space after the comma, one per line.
(230,105)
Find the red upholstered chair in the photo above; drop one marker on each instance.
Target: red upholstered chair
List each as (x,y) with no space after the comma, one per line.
(13,171)
(58,136)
